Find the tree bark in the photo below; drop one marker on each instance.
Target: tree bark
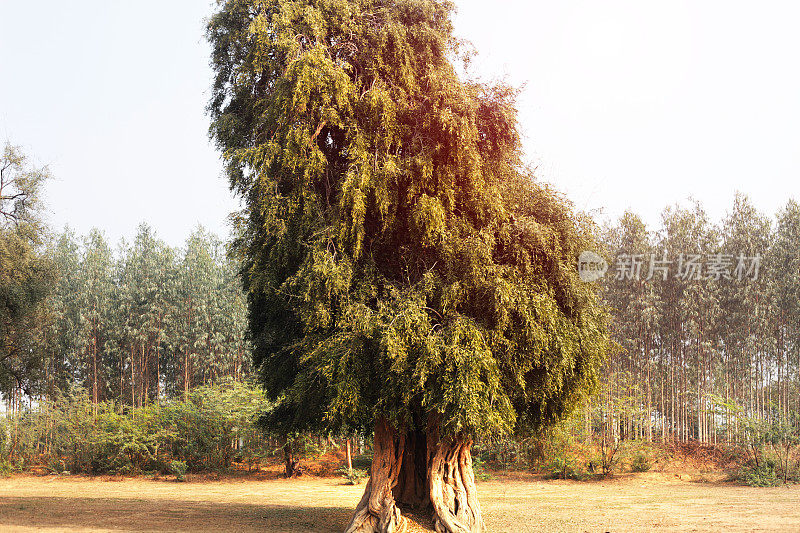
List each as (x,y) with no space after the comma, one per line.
(418,470)
(290,461)
(452,485)
(349,457)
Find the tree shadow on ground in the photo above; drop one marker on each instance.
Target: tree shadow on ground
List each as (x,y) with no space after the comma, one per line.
(129,514)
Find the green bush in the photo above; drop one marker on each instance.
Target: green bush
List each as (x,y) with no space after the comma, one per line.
(562,468)
(762,475)
(479,468)
(352,476)
(770,447)
(178,468)
(510,454)
(641,463)
(207,432)
(7,468)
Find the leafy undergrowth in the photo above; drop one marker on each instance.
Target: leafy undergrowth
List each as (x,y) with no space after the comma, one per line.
(685,462)
(571,459)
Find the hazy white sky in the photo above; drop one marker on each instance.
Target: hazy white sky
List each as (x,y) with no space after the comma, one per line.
(635,104)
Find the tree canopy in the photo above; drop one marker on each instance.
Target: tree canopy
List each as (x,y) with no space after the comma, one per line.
(25,275)
(399,258)
(147,323)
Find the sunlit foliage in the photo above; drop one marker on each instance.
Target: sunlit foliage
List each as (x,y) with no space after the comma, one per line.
(399,259)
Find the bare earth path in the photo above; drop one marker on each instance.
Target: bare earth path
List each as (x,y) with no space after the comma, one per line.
(640,503)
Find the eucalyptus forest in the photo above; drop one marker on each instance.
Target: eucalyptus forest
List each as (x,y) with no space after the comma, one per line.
(140,323)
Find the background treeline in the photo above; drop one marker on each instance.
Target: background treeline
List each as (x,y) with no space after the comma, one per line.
(700,359)
(138,358)
(700,354)
(135,325)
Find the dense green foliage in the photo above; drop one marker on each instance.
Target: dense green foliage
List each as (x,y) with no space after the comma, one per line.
(771,451)
(702,354)
(398,258)
(25,274)
(138,326)
(214,427)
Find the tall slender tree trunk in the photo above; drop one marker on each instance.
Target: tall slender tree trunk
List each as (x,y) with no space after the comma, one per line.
(419,470)
(186,376)
(700,436)
(158,377)
(649,398)
(349,457)
(144,383)
(662,413)
(95,391)
(133,377)
(672,396)
(121,379)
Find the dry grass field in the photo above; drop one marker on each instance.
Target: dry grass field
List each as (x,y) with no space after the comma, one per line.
(644,502)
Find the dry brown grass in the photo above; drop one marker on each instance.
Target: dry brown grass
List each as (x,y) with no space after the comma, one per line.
(643,502)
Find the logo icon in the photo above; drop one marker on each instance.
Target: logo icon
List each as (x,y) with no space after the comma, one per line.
(591,266)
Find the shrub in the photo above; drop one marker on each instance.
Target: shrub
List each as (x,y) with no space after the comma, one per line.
(479,468)
(179,469)
(608,448)
(761,475)
(206,432)
(640,463)
(562,468)
(7,468)
(771,445)
(352,476)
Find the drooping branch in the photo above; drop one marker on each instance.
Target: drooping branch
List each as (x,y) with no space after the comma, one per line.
(316,133)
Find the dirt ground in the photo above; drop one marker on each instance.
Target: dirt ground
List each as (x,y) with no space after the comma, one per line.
(643,502)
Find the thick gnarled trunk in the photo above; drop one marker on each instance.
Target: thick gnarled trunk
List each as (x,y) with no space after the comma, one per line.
(416,470)
(377,511)
(452,485)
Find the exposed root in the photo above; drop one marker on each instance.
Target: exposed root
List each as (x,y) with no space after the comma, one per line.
(419,470)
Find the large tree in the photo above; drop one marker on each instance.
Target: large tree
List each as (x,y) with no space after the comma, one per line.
(25,275)
(403,270)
